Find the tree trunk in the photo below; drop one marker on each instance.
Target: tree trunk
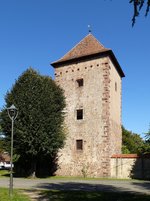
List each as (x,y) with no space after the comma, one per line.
(33,168)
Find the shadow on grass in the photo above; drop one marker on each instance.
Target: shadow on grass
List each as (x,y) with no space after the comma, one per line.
(92,196)
(76,191)
(60,195)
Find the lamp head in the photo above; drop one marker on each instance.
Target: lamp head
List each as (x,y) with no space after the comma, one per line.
(12,112)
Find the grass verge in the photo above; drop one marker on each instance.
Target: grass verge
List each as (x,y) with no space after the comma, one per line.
(17,196)
(55,195)
(91,196)
(4,173)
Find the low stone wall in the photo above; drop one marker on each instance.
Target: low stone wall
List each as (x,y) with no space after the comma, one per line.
(130,166)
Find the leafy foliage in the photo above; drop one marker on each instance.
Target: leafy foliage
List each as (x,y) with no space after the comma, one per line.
(132,143)
(1,140)
(38,129)
(147,135)
(147,142)
(138,4)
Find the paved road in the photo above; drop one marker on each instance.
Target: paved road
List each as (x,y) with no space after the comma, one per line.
(86,185)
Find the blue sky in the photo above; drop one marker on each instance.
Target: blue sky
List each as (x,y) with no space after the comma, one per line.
(37,32)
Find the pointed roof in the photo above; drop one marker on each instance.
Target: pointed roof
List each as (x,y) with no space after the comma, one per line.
(87,47)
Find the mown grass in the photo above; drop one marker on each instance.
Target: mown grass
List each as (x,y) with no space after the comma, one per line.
(56,195)
(88,178)
(4,173)
(91,196)
(17,196)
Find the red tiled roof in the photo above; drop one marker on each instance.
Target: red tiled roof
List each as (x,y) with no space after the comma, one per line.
(130,156)
(88,46)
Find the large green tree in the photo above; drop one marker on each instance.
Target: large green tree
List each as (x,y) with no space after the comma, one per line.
(132,143)
(38,129)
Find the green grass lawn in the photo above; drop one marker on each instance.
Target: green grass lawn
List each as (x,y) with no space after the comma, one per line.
(17,196)
(4,173)
(74,196)
(91,196)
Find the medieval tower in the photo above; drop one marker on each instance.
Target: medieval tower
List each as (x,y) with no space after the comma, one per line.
(91,78)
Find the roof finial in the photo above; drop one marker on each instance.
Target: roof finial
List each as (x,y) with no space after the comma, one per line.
(89,27)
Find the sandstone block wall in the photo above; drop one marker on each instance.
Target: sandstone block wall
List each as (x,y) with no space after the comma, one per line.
(100,128)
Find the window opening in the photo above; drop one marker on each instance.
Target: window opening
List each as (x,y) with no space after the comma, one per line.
(79,114)
(80,82)
(79,144)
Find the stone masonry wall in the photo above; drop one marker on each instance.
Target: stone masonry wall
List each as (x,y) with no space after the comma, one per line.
(115,110)
(106,119)
(94,130)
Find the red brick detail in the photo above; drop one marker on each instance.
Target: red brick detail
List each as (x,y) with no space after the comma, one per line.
(130,156)
(125,156)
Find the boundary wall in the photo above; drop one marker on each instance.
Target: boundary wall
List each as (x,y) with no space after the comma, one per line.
(125,166)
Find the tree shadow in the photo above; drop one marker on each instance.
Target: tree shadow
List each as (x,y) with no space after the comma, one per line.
(145,185)
(75,191)
(46,166)
(141,168)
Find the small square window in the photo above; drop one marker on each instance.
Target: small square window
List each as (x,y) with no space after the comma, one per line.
(80,82)
(79,144)
(79,114)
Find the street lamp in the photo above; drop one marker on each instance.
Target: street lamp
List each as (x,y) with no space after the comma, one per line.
(12,113)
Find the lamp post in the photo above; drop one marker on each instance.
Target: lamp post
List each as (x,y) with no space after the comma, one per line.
(12,113)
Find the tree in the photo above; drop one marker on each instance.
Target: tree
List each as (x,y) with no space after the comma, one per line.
(147,142)
(131,142)
(38,129)
(138,5)
(1,140)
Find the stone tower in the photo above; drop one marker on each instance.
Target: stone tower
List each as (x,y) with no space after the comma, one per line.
(91,78)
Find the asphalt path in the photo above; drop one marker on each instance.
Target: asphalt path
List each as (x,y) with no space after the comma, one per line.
(133,186)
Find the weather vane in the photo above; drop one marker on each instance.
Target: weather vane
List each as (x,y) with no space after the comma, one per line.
(89,28)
